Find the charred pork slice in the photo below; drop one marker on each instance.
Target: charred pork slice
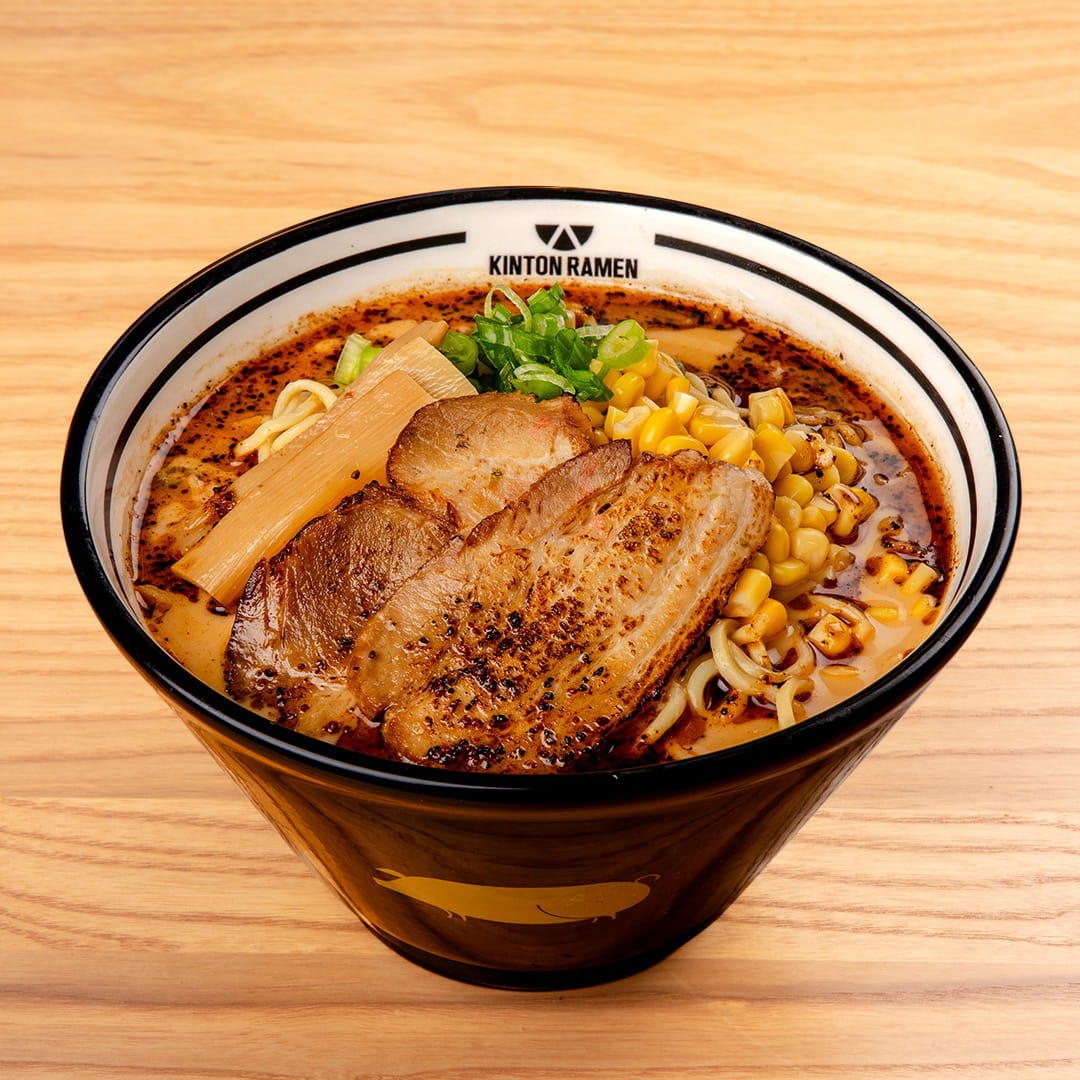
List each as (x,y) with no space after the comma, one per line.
(522,646)
(301,610)
(482,452)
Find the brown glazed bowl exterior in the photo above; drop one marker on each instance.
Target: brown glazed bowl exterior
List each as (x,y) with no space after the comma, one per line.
(548,890)
(535,882)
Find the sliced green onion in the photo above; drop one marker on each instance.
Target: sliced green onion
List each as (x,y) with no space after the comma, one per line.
(593,330)
(491,309)
(541,380)
(460,350)
(534,346)
(623,345)
(355,355)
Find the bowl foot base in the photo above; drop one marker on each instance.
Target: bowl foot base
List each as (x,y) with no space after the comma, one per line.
(509,979)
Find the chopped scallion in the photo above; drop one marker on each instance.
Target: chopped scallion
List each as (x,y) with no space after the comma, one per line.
(460,350)
(623,345)
(534,346)
(355,355)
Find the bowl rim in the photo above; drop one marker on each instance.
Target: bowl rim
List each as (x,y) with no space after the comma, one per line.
(772,753)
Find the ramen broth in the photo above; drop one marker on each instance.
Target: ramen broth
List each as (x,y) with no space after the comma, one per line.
(196,461)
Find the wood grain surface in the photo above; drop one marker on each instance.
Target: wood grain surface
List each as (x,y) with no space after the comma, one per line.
(924,925)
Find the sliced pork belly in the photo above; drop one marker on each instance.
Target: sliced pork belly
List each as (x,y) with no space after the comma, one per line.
(482,452)
(301,610)
(522,646)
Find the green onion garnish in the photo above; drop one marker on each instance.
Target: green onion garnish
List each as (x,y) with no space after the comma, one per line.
(355,355)
(623,345)
(534,346)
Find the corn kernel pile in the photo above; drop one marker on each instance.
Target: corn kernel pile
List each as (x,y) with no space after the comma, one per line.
(818,505)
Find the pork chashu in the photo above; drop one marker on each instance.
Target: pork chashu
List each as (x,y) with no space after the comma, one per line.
(480,453)
(301,610)
(455,462)
(520,647)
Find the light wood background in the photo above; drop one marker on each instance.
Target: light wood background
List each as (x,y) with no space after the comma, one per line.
(924,926)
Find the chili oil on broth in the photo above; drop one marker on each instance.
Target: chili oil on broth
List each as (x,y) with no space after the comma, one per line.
(196,464)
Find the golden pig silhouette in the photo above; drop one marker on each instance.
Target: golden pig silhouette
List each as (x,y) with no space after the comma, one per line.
(509,904)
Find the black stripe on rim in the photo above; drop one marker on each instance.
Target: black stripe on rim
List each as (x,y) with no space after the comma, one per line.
(773,753)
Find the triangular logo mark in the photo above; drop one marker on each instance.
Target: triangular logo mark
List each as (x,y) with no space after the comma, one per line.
(564,237)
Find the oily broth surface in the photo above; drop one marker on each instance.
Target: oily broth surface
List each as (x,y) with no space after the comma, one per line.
(197,459)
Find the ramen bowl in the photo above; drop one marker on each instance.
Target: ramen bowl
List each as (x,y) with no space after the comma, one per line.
(535,881)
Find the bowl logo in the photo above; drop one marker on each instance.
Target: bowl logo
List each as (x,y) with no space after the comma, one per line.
(507,904)
(562,259)
(564,237)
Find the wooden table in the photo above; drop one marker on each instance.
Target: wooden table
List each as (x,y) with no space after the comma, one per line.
(924,925)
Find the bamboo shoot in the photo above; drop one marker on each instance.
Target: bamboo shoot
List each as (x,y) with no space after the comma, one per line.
(271,510)
(412,353)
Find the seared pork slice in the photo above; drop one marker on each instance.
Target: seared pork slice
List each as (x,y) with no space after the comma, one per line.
(301,610)
(482,452)
(522,646)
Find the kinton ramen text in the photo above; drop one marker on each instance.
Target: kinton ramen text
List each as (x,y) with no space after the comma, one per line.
(576,266)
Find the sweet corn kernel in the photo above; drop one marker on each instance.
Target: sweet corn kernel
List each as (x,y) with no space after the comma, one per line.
(674,443)
(594,415)
(599,438)
(759,562)
(823,479)
(677,384)
(659,425)
(627,390)
(831,635)
(749,593)
(646,366)
(826,506)
(813,517)
(925,608)
(795,487)
(611,418)
(847,464)
(852,509)
(707,426)
(840,559)
(753,461)
(735,446)
(769,619)
(919,579)
(683,404)
(655,383)
(890,567)
(787,511)
(777,546)
(770,407)
(811,546)
(869,502)
(765,409)
(839,671)
(885,613)
(629,426)
(788,571)
(803,459)
(772,447)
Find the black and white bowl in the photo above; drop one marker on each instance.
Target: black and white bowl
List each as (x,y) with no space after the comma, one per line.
(632,863)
